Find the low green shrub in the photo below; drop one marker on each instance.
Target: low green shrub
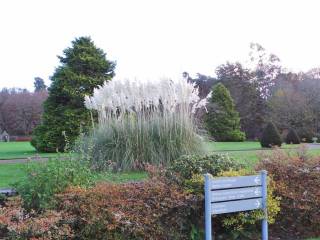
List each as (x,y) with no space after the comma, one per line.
(185,167)
(305,134)
(292,137)
(46,179)
(271,136)
(247,225)
(187,171)
(2,199)
(297,177)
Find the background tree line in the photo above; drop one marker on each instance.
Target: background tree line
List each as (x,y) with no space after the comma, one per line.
(263,91)
(20,109)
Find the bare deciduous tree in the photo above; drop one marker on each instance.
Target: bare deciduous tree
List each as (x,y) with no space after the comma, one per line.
(20,110)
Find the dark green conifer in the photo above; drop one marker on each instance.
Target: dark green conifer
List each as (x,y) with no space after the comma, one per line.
(292,137)
(83,68)
(271,136)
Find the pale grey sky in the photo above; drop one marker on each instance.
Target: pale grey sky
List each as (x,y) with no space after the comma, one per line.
(150,39)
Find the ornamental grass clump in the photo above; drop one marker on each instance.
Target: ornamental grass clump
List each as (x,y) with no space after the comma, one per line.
(142,123)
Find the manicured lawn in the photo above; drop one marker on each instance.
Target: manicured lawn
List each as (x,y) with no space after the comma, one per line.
(240,146)
(250,158)
(10,173)
(11,150)
(245,152)
(13,172)
(122,177)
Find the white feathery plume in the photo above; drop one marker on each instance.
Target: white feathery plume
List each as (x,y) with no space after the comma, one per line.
(123,96)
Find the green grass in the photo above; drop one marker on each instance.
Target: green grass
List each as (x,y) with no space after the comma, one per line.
(247,153)
(244,152)
(10,173)
(13,172)
(12,150)
(122,177)
(240,146)
(250,158)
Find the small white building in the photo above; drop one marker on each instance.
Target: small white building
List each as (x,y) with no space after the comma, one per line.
(4,137)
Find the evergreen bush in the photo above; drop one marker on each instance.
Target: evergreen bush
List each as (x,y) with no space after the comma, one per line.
(222,120)
(270,136)
(292,137)
(305,135)
(188,165)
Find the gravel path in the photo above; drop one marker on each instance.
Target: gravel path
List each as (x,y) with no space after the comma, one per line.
(313,146)
(23,160)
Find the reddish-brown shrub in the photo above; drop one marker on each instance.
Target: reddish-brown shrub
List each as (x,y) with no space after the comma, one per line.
(22,139)
(297,178)
(144,210)
(15,223)
(156,209)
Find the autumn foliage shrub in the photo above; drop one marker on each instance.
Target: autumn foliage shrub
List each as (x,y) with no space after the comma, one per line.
(297,178)
(145,210)
(155,209)
(22,139)
(16,223)
(169,205)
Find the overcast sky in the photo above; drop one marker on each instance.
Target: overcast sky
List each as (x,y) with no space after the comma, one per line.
(150,39)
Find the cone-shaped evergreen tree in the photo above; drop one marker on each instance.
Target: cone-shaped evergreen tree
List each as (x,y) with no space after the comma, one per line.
(83,67)
(292,137)
(271,136)
(222,120)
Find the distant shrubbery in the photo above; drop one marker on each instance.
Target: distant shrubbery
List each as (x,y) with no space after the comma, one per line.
(305,135)
(292,137)
(271,136)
